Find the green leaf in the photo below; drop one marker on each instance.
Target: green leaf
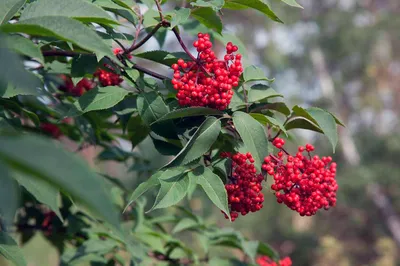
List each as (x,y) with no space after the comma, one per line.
(61,169)
(151,107)
(179,16)
(97,99)
(253,73)
(163,57)
(185,224)
(321,118)
(41,190)
(253,136)
(265,249)
(10,250)
(303,123)
(189,112)
(172,190)
(327,123)
(83,64)
(208,17)
(199,143)
(255,4)
(14,79)
(264,120)
(137,130)
(77,9)
(153,181)
(212,186)
(8,8)
(292,3)
(261,92)
(216,5)
(277,106)
(24,46)
(250,249)
(64,28)
(192,186)
(9,197)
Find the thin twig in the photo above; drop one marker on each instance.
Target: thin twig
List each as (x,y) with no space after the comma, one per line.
(144,40)
(159,9)
(149,72)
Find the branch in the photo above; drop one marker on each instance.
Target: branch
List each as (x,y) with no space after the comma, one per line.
(61,53)
(149,72)
(183,261)
(145,39)
(159,9)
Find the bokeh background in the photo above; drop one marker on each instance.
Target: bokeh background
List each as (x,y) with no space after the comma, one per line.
(341,55)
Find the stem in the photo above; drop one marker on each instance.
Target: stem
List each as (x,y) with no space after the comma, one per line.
(61,53)
(144,40)
(149,72)
(159,9)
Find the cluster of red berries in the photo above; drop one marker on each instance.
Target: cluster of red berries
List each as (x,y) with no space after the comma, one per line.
(76,90)
(207,81)
(107,78)
(302,182)
(244,188)
(267,261)
(51,129)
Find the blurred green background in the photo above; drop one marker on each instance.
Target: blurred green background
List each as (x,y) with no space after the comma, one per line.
(342,55)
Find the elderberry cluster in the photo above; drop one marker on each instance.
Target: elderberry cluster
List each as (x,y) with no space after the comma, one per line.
(244,186)
(76,90)
(267,261)
(302,182)
(107,78)
(207,81)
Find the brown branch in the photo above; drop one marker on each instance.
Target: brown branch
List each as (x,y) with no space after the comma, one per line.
(159,10)
(145,39)
(61,53)
(149,72)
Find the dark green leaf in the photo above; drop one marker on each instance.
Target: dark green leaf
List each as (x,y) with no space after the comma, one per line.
(303,123)
(264,120)
(166,148)
(253,73)
(256,4)
(8,8)
(265,249)
(10,250)
(77,9)
(137,130)
(61,169)
(292,3)
(189,112)
(172,190)
(163,57)
(278,106)
(179,16)
(24,46)
(208,17)
(199,143)
(327,123)
(143,187)
(260,93)
(64,28)
(212,186)
(97,99)
(41,190)
(216,5)
(83,65)
(250,249)
(14,79)
(253,136)
(9,197)
(151,107)
(116,154)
